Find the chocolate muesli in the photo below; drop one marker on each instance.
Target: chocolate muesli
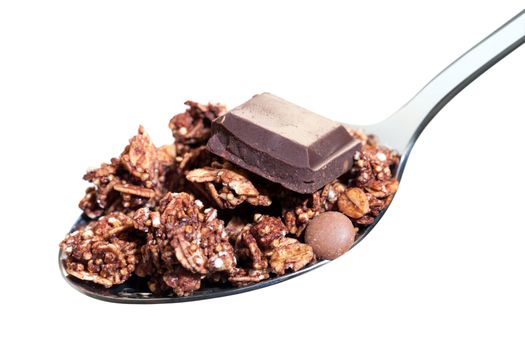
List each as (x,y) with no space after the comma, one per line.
(180,216)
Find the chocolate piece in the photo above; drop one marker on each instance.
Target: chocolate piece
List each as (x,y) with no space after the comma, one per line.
(330,234)
(284,143)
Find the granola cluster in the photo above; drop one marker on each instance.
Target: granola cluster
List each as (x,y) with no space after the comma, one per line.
(227,187)
(185,244)
(182,218)
(101,252)
(193,127)
(136,179)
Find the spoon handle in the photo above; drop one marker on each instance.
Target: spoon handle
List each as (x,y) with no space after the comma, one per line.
(401,130)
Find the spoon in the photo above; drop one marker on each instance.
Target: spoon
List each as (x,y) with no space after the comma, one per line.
(400,131)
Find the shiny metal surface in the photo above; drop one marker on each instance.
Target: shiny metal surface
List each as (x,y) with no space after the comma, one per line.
(400,131)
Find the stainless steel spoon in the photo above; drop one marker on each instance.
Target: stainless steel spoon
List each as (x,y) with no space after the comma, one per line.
(400,132)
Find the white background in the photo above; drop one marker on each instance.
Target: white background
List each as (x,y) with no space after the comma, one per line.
(443,269)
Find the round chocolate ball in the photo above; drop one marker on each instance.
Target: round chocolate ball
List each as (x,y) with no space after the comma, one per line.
(330,234)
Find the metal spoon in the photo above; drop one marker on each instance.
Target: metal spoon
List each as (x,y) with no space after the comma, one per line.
(400,132)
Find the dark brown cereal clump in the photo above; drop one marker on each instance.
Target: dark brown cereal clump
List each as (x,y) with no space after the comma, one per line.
(97,252)
(193,127)
(138,178)
(181,218)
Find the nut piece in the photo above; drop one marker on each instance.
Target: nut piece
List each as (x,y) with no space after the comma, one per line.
(134,190)
(353,203)
(290,254)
